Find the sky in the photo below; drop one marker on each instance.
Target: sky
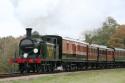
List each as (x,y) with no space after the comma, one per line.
(68,18)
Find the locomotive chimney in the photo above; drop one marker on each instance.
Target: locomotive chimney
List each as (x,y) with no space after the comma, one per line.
(28,32)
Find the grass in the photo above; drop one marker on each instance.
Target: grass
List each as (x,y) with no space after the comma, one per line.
(94,76)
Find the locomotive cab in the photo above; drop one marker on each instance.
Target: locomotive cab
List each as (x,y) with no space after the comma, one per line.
(57,41)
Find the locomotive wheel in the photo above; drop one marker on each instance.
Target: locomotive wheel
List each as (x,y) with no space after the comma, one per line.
(33,69)
(44,67)
(38,68)
(21,68)
(51,68)
(24,68)
(28,70)
(21,71)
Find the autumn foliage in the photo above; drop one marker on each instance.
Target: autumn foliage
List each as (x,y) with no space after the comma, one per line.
(117,39)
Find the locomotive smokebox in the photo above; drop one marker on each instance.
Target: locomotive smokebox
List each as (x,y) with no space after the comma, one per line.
(28,32)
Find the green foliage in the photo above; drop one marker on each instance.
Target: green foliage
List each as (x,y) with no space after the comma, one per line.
(102,35)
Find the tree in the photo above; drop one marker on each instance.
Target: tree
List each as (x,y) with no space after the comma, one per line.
(8,46)
(102,35)
(118,38)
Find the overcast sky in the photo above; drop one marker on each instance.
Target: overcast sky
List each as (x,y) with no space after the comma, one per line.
(68,18)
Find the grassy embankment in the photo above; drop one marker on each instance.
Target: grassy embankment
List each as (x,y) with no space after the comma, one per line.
(94,76)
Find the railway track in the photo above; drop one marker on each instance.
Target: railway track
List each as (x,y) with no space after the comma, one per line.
(13,75)
(25,74)
(10,75)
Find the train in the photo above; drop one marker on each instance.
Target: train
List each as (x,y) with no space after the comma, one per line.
(50,52)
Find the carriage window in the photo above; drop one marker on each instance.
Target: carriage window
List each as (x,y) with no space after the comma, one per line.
(51,40)
(78,48)
(67,46)
(73,47)
(55,41)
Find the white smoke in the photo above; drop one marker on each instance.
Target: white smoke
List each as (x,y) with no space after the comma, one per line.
(36,13)
(63,17)
(68,17)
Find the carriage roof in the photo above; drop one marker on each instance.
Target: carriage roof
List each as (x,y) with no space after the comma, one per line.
(120,49)
(75,40)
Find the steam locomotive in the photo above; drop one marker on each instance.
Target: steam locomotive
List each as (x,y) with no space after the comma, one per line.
(49,52)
